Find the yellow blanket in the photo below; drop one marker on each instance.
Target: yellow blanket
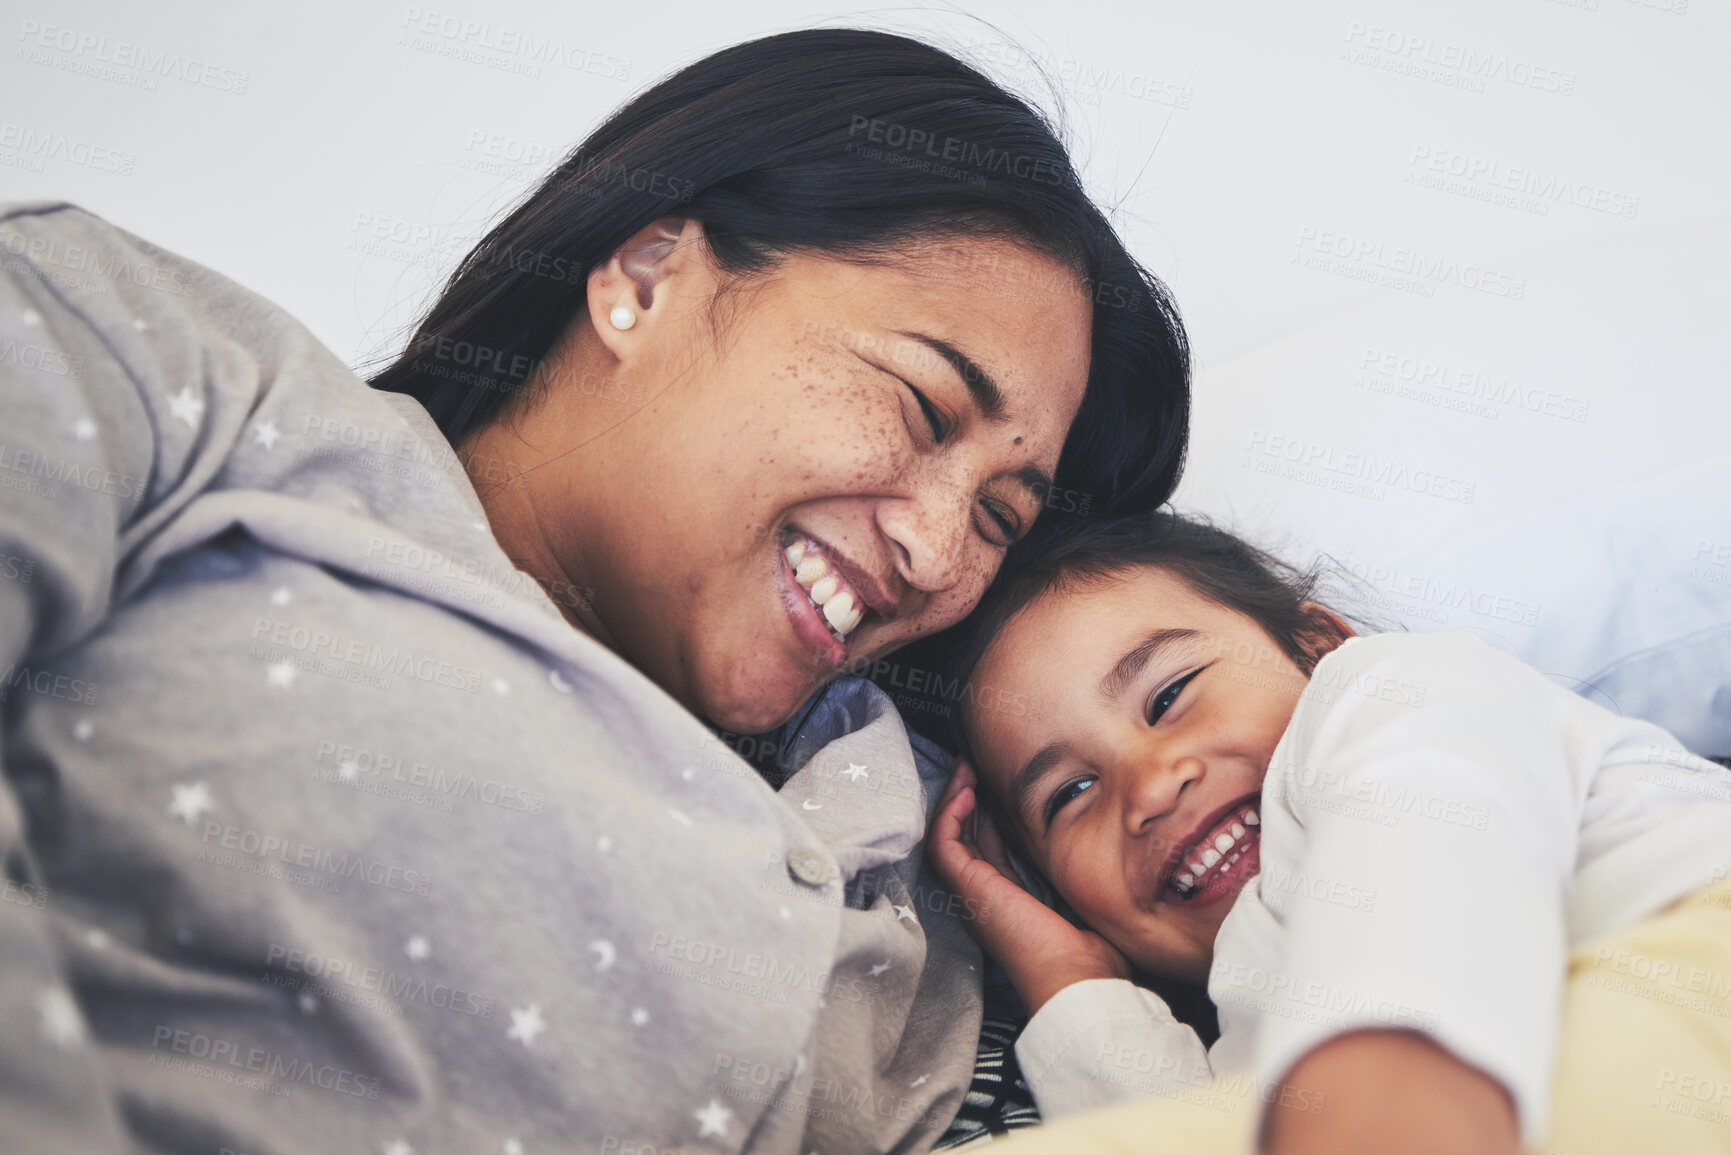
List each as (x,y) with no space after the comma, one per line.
(1643,1061)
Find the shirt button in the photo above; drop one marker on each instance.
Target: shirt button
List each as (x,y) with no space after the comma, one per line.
(809,867)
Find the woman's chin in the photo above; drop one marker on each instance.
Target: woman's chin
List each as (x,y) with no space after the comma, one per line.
(756,704)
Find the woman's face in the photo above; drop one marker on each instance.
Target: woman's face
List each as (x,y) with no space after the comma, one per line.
(895,424)
(1132,767)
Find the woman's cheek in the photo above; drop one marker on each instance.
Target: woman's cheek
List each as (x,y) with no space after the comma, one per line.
(979,566)
(950,606)
(864,443)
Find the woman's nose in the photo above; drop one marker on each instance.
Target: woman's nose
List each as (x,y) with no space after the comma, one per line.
(929,531)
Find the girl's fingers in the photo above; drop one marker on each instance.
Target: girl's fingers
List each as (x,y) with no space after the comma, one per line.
(948,844)
(949,791)
(958,808)
(991,844)
(962,778)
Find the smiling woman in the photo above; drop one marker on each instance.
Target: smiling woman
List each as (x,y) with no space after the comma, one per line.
(399,781)
(819,452)
(884,366)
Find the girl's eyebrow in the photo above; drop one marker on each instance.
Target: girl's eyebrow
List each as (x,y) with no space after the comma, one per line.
(1156,644)
(1023,781)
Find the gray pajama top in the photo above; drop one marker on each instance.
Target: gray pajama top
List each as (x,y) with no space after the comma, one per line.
(324,832)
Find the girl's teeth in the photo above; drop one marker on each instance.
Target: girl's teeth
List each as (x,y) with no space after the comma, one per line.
(1226,845)
(809,570)
(795,552)
(1224,852)
(824,588)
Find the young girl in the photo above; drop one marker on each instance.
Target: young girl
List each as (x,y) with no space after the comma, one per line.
(1386,857)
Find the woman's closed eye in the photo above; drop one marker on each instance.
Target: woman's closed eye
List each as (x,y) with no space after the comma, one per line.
(934,418)
(1004,520)
(1001,518)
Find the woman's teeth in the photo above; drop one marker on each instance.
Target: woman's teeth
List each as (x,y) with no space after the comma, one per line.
(826,589)
(1215,854)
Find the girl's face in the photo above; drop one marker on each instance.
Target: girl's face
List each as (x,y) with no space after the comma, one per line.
(888,429)
(1132,768)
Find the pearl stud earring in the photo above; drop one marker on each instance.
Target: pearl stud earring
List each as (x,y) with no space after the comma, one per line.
(622,317)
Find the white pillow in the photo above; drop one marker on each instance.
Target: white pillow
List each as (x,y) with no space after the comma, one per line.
(1552,473)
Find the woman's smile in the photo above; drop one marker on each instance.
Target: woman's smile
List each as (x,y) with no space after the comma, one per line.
(823,605)
(882,493)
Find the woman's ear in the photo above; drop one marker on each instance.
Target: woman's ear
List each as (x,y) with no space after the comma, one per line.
(1321,631)
(622,291)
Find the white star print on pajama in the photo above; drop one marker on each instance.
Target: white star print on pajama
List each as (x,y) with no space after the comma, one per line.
(712,1119)
(187,406)
(190,801)
(526,1023)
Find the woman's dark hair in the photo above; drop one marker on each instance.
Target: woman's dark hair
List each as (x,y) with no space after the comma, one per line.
(1219,566)
(839,142)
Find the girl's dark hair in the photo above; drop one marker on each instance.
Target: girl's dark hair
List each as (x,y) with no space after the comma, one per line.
(1219,566)
(840,142)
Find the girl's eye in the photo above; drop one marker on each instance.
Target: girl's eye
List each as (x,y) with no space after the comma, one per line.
(1168,694)
(933,417)
(1064,795)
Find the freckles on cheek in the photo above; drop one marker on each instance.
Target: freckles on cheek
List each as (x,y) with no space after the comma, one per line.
(976,572)
(851,427)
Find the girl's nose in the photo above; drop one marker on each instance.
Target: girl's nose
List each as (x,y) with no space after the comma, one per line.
(1156,785)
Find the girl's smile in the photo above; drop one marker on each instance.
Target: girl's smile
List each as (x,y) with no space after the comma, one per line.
(1134,782)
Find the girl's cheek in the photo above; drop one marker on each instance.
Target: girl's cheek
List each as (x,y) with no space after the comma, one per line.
(1078,877)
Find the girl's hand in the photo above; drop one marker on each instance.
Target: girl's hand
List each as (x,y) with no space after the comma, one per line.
(1041,950)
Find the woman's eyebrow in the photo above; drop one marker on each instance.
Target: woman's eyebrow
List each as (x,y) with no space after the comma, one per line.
(1157,643)
(989,398)
(985,391)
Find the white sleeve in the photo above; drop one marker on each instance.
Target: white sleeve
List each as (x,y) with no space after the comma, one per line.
(1102,1041)
(1452,801)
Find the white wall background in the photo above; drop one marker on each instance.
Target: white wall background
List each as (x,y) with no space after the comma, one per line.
(1561,343)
